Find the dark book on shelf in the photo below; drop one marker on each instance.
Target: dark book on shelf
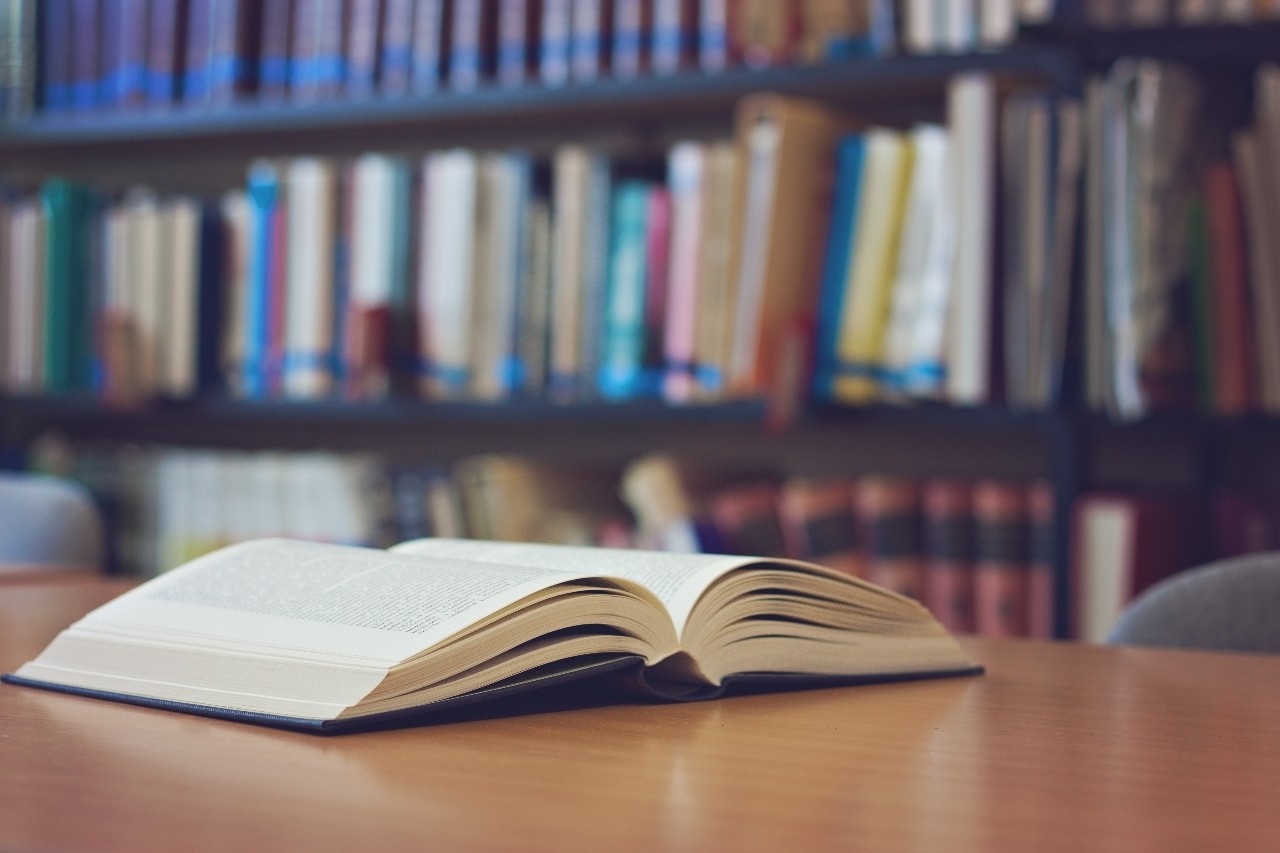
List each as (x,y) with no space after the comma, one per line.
(55,56)
(325,637)
(166,43)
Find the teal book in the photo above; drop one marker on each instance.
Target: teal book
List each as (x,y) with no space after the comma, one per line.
(850,153)
(67,322)
(622,360)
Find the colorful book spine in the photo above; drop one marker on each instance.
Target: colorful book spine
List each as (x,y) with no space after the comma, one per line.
(165,43)
(820,524)
(686,175)
(657,260)
(124,51)
(589,37)
(396,49)
(471,51)
(632,27)
(620,375)
(364,27)
(431,27)
(557,27)
(274,64)
(747,518)
(199,45)
(716,48)
(947,512)
(319,57)
(674,35)
(889,510)
(67,334)
(517,41)
(1041,576)
(233,51)
(264,200)
(850,153)
(1000,571)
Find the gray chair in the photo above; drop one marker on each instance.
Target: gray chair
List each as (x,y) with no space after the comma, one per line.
(1230,605)
(48,523)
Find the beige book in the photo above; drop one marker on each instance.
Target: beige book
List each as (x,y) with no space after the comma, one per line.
(312,225)
(316,636)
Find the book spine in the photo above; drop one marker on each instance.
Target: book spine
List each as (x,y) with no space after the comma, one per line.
(768,31)
(165,37)
(86,93)
(471,47)
(319,60)
(431,27)
(620,369)
(517,40)
(557,27)
(274,65)
(233,51)
(66,315)
(535,298)
(595,261)
(1234,378)
(364,23)
(56,56)
(949,551)
(589,39)
(124,53)
(850,153)
(746,517)
(717,49)
(210,302)
(820,524)
(674,35)
(632,24)
(1041,593)
(889,511)
(195,79)
(686,175)
(396,59)
(264,192)
(1000,571)
(657,260)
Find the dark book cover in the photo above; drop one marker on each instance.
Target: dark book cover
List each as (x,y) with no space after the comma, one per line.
(210,301)
(199,45)
(55,56)
(124,53)
(1003,557)
(748,521)
(819,524)
(86,76)
(889,513)
(947,514)
(364,26)
(275,57)
(233,50)
(166,40)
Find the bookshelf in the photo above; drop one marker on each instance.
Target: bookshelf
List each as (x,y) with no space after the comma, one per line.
(1073,449)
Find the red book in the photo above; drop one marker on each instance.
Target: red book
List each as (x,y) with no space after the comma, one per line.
(947,513)
(1002,533)
(657,258)
(1234,377)
(747,518)
(819,524)
(1123,543)
(1041,597)
(889,514)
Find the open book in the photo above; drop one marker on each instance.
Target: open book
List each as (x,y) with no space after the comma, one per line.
(324,637)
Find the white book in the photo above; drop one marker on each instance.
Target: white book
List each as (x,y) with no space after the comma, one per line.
(309,290)
(959,19)
(379,210)
(763,142)
(447,291)
(971,117)
(997,22)
(178,368)
(920,26)
(685,179)
(26,305)
(920,290)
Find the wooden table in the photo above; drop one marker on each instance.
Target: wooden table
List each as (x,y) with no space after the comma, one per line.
(1058,747)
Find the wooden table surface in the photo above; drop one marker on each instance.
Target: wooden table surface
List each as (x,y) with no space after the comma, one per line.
(1057,747)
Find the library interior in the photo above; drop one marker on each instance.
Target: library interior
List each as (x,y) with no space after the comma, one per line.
(973,301)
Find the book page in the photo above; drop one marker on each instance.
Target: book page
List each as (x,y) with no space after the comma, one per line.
(678,580)
(319,598)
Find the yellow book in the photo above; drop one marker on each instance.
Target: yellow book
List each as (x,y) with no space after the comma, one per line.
(872,264)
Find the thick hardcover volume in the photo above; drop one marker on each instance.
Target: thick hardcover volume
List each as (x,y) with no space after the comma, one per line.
(1234,378)
(277,36)
(364,23)
(166,39)
(86,23)
(431,33)
(748,521)
(819,524)
(889,511)
(55,56)
(370,633)
(265,202)
(518,23)
(949,552)
(124,53)
(557,28)
(1002,561)
(675,35)
(787,148)
(657,260)
(624,315)
(473,45)
(850,154)
(319,55)
(395,47)
(632,30)
(1041,593)
(768,32)
(67,325)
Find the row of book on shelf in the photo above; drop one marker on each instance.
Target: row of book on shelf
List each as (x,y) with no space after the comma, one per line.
(1126,14)
(722,269)
(978,552)
(93,55)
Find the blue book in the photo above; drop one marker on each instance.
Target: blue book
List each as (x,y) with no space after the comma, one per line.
(264,193)
(164,35)
(55,56)
(850,153)
(622,358)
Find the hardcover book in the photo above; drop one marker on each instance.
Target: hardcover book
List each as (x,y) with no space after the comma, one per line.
(325,637)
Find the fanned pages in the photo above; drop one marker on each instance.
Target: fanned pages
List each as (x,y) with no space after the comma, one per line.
(314,636)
